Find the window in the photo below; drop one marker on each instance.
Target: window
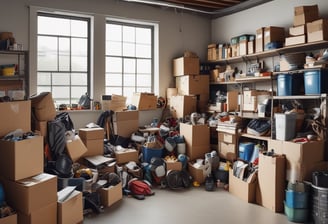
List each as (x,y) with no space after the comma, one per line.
(129,58)
(63,62)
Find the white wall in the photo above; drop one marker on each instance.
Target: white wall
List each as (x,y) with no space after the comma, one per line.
(274,13)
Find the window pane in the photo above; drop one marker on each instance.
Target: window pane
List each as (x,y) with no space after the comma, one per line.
(128,49)
(114,90)
(60,92)
(113,64)
(114,79)
(79,47)
(114,48)
(64,52)
(44,78)
(53,26)
(79,64)
(128,91)
(79,79)
(41,89)
(144,80)
(129,34)
(60,79)
(47,53)
(143,89)
(78,91)
(129,80)
(79,28)
(114,32)
(144,66)
(129,65)
(143,36)
(143,51)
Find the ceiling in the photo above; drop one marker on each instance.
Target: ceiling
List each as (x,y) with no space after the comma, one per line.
(211,8)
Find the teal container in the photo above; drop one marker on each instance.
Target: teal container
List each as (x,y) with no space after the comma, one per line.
(297,214)
(295,199)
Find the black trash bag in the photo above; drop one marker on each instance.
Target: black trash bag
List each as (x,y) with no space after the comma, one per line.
(85,101)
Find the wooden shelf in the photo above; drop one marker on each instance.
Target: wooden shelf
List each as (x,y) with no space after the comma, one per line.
(265,138)
(244,80)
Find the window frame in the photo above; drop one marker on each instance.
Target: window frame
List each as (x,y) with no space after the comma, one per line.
(89,53)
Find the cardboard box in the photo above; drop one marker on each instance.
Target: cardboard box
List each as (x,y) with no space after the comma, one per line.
(212,52)
(180,106)
(45,214)
(126,123)
(43,106)
(95,147)
(71,210)
(31,194)
(192,84)
(91,133)
(274,34)
(197,138)
(15,115)
(305,14)
(113,102)
(227,150)
(259,40)
(232,101)
(196,173)
(169,93)
(41,127)
(251,98)
(12,219)
(242,189)
(317,30)
(227,137)
(243,47)
(271,180)
(75,148)
(126,156)
(173,165)
(251,47)
(186,66)
(299,157)
(297,30)
(111,195)
(144,101)
(301,39)
(21,159)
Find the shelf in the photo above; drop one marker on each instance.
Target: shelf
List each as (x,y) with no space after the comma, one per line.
(265,138)
(301,97)
(244,80)
(297,71)
(275,52)
(14,52)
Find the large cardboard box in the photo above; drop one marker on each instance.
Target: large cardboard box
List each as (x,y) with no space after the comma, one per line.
(300,157)
(197,138)
(301,39)
(196,173)
(305,14)
(297,30)
(144,101)
(21,159)
(192,84)
(75,148)
(113,102)
(111,195)
(186,66)
(126,123)
(227,145)
(43,106)
(272,182)
(242,189)
(274,34)
(15,115)
(91,133)
(12,219)
(232,101)
(170,165)
(31,194)
(126,155)
(317,30)
(259,40)
(45,214)
(95,147)
(71,210)
(180,106)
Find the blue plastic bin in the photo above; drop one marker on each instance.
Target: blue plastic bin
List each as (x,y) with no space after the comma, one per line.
(315,82)
(148,153)
(295,199)
(246,150)
(289,84)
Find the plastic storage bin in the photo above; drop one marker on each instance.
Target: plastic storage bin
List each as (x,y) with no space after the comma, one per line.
(246,150)
(289,84)
(297,214)
(295,199)
(152,151)
(315,82)
(285,126)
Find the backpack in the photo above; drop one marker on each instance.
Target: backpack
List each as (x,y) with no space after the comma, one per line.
(140,187)
(178,179)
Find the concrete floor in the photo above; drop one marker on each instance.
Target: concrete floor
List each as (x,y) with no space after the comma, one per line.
(191,206)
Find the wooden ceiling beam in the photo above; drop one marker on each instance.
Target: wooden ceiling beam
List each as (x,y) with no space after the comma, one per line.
(206,3)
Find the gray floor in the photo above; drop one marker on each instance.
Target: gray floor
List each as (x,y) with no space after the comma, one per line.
(192,206)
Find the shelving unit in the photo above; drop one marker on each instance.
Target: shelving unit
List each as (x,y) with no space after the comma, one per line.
(20,80)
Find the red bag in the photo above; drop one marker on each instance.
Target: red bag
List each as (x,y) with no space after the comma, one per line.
(140,187)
